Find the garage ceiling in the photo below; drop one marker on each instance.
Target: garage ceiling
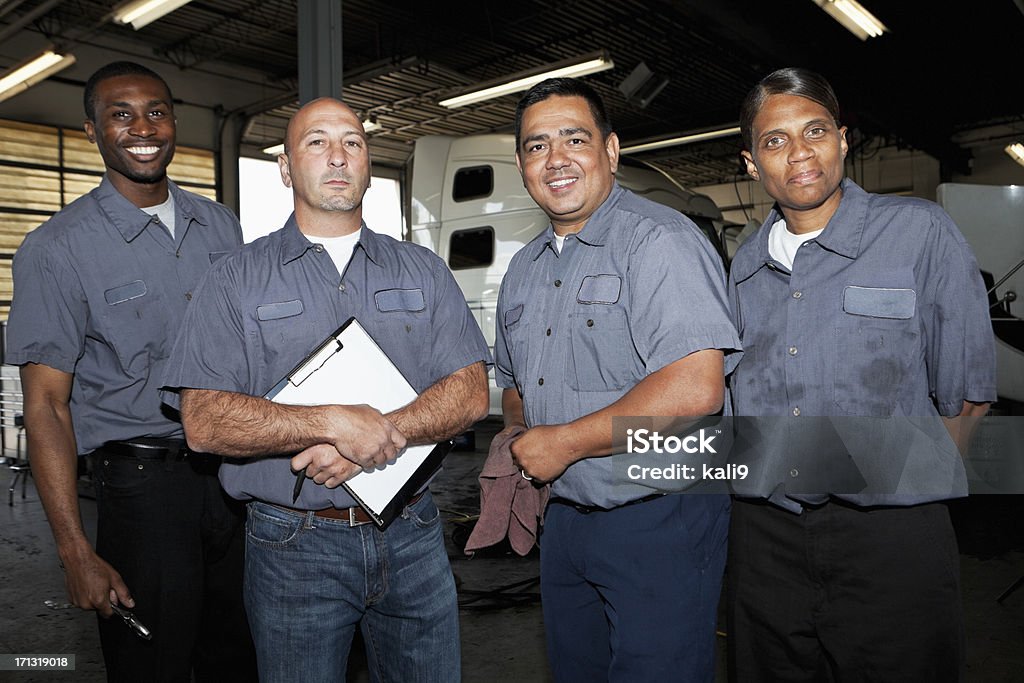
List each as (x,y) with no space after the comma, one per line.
(944,67)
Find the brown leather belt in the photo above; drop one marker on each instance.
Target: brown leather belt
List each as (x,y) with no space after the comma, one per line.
(355,516)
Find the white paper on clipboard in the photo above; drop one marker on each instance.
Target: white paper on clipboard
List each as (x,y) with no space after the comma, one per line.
(350,369)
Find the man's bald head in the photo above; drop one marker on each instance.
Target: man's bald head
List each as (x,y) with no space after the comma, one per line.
(312,109)
(327,165)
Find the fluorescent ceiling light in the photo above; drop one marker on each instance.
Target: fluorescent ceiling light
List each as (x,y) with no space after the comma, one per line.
(681,140)
(1016,152)
(28,73)
(852,15)
(578,66)
(143,12)
(370,125)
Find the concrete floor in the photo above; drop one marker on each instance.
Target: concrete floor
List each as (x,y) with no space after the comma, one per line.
(502,631)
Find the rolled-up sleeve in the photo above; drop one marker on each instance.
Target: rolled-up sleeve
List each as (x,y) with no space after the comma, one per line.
(49,313)
(503,375)
(680,290)
(456,340)
(209,352)
(961,346)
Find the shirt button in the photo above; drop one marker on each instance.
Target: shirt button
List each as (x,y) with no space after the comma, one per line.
(794,472)
(796,412)
(188,296)
(590,323)
(541,381)
(558,283)
(341,287)
(548,332)
(797,295)
(792,350)
(318,248)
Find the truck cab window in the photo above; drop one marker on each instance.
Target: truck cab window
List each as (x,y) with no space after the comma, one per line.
(471,248)
(474,182)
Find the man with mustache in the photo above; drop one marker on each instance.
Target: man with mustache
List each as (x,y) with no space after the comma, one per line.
(317,568)
(101,289)
(618,308)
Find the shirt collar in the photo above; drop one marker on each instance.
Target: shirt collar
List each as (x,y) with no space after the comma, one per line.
(844,230)
(595,230)
(842,235)
(130,220)
(295,244)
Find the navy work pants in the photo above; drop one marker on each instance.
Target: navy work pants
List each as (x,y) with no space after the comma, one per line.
(631,594)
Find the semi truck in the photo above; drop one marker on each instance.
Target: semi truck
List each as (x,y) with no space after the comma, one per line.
(467,204)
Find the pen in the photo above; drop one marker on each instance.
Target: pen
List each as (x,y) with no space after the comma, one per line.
(300,478)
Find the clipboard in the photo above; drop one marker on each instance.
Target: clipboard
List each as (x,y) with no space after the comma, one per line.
(350,368)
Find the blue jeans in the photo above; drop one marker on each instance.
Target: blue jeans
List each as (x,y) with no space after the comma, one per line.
(631,594)
(310,581)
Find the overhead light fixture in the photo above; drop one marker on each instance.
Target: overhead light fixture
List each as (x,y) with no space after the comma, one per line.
(1016,152)
(852,15)
(23,76)
(143,12)
(370,125)
(681,140)
(578,66)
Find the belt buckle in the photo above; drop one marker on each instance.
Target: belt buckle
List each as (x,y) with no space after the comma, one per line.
(352,521)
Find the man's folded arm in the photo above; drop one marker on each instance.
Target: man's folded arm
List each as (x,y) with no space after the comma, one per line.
(237,425)
(446,408)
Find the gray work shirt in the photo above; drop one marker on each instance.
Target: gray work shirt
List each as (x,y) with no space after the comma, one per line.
(638,288)
(262,310)
(99,291)
(884,314)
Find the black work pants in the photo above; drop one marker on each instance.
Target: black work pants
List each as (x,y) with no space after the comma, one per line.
(176,539)
(840,593)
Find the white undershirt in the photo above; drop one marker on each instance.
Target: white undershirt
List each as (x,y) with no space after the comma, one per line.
(559,242)
(164,213)
(339,248)
(783,245)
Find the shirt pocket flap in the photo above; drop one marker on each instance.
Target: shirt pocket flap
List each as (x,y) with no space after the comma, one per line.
(389,300)
(879,302)
(118,295)
(218,255)
(600,289)
(275,311)
(513,315)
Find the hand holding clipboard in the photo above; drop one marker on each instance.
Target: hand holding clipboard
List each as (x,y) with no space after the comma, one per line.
(372,442)
(348,368)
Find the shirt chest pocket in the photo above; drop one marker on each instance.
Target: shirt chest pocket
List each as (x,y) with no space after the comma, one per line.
(403,312)
(135,324)
(602,357)
(286,328)
(876,343)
